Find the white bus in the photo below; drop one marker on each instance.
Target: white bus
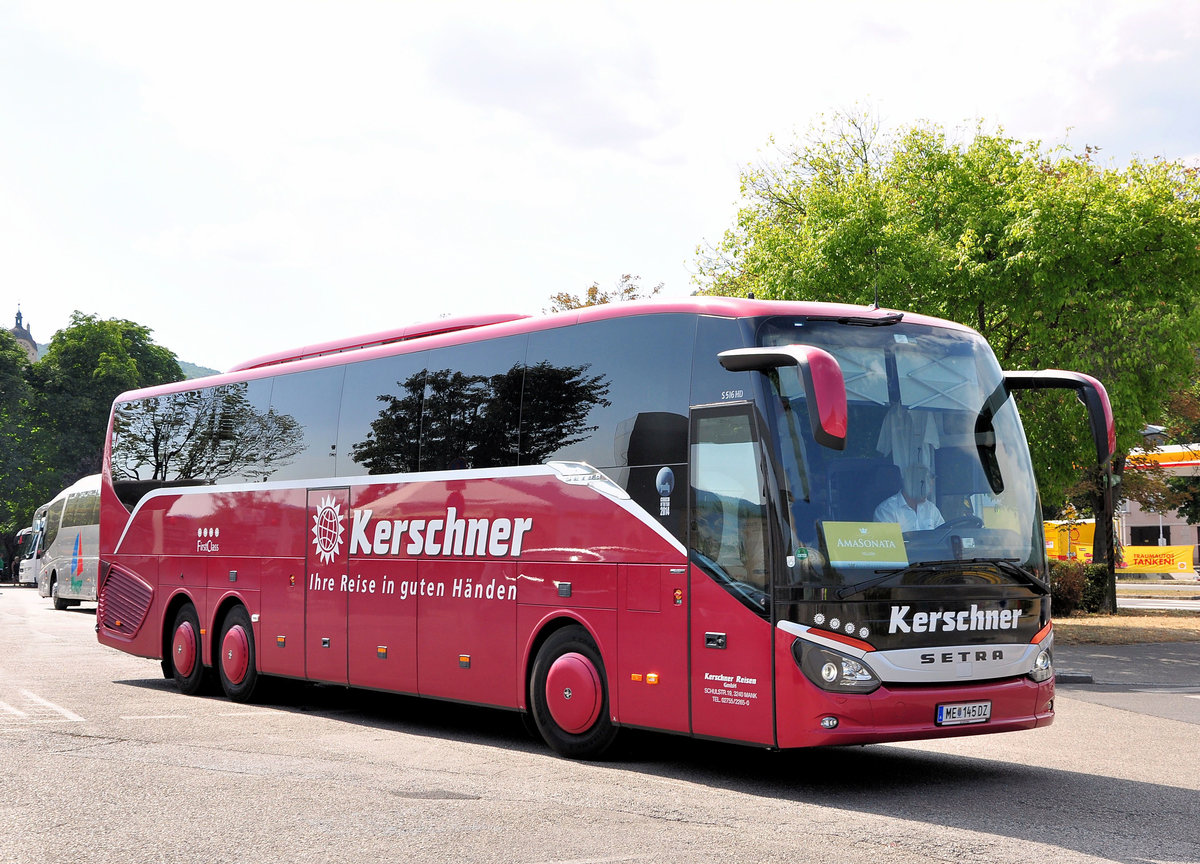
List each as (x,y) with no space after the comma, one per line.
(25,572)
(24,546)
(69,550)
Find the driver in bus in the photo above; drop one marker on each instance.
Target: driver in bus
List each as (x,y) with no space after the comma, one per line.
(911,506)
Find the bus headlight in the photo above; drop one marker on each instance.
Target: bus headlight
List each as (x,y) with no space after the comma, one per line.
(1043,665)
(831,670)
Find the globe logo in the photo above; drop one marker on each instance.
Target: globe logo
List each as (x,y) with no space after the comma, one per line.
(328,529)
(665,481)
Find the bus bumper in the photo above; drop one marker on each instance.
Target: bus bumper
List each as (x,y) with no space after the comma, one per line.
(807,716)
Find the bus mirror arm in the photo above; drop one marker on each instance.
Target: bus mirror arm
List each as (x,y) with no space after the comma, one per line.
(1090,392)
(822,379)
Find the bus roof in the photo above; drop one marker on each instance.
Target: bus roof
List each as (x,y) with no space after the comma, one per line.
(372,340)
(84,484)
(464,329)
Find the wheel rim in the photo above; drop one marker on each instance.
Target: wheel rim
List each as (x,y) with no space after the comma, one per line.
(235,654)
(573,693)
(183,651)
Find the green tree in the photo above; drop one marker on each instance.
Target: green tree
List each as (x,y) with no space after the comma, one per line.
(1183,428)
(628,288)
(1057,260)
(73,386)
(15,456)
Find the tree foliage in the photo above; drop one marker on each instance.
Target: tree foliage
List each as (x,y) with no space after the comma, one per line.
(1058,261)
(628,288)
(58,433)
(16,457)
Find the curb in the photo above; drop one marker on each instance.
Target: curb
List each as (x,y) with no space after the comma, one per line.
(1073,678)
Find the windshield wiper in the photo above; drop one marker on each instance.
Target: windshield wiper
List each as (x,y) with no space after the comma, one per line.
(1012,567)
(1007,566)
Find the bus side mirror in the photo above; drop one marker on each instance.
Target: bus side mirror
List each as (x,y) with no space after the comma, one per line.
(819,373)
(1090,392)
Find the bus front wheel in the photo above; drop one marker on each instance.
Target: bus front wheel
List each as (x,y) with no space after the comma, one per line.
(236,665)
(187,663)
(569,696)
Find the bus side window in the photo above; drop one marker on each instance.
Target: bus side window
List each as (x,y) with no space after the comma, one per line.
(728,524)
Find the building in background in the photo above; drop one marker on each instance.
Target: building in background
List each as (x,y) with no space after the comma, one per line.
(1140,527)
(24,338)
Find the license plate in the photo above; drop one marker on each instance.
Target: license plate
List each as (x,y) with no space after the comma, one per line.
(958,713)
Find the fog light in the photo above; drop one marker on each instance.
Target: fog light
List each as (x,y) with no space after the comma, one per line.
(829,722)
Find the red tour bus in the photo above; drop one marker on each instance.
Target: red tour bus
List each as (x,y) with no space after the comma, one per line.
(783,524)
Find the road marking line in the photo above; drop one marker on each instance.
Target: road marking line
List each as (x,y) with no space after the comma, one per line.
(154,716)
(70,715)
(16,712)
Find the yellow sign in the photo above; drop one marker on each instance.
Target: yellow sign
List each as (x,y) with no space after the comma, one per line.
(1158,559)
(865,544)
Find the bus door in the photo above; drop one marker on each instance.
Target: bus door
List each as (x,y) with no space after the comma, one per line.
(328,534)
(730,638)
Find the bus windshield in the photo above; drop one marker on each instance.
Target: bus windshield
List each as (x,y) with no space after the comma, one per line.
(935,468)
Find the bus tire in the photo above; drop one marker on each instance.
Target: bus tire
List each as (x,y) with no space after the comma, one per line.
(187,659)
(59,603)
(569,695)
(236,664)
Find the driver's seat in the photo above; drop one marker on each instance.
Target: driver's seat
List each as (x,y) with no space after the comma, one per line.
(857,486)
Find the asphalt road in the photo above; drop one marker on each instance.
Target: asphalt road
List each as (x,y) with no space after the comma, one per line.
(103,761)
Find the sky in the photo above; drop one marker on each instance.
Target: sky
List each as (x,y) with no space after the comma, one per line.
(249,177)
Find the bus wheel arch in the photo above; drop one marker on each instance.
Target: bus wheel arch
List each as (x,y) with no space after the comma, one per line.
(568,694)
(235,653)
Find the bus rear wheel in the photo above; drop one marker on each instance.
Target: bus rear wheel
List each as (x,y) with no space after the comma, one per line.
(187,662)
(236,665)
(569,695)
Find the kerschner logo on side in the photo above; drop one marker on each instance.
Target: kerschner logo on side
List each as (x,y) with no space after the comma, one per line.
(450,535)
(948,622)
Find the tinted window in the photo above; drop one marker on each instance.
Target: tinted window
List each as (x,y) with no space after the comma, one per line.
(170,439)
(472,405)
(304,410)
(83,508)
(380,424)
(711,382)
(251,437)
(53,519)
(587,386)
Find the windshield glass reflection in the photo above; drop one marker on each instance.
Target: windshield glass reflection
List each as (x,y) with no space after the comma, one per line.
(935,467)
